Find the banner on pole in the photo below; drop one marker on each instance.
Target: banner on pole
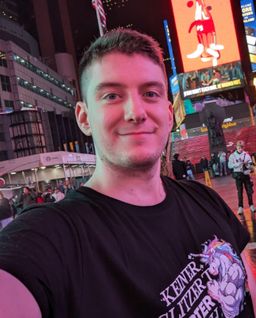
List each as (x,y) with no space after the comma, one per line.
(101,16)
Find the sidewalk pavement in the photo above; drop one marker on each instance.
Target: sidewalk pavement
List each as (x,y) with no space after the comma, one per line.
(226,188)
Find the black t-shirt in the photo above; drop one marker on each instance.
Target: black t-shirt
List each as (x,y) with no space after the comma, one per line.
(90,255)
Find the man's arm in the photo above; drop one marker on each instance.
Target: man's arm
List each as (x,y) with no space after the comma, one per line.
(251,280)
(16,301)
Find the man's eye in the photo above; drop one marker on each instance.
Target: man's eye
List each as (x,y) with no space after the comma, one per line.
(151,94)
(111,96)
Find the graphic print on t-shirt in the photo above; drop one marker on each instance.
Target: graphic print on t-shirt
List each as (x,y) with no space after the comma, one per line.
(212,284)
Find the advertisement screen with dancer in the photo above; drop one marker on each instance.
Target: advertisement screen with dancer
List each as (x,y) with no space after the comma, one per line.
(206,33)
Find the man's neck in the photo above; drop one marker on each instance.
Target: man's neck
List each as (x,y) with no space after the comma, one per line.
(142,188)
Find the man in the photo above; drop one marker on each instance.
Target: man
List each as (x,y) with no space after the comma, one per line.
(58,195)
(204,164)
(48,195)
(241,164)
(5,211)
(214,165)
(190,170)
(179,168)
(25,198)
(223,162)
(128,243)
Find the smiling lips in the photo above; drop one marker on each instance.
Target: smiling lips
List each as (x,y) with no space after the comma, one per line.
(131,133)
(135,132)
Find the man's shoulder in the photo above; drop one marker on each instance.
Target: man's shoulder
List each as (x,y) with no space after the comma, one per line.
(200,197)
(194,189)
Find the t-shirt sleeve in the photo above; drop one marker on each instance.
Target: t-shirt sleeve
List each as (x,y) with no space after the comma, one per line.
(29,251)
(209,197)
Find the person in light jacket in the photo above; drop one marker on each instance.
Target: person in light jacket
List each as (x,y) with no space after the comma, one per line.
(241,164)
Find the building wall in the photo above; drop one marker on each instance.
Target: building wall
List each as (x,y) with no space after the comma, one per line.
(11,31)
(28,86)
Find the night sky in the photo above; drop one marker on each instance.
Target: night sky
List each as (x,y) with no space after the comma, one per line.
(144,15)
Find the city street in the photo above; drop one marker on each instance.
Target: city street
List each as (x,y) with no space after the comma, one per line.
(226,188)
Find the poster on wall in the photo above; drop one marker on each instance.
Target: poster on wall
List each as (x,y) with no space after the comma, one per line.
(211,80)
(248,12)
(206,33)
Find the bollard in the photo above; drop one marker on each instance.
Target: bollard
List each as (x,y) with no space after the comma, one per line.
(207,179)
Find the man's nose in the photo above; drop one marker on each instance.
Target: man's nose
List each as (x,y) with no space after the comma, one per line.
(134,110)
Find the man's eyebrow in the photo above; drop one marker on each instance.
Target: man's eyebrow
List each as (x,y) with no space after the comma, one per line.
(153,84)
(104,85)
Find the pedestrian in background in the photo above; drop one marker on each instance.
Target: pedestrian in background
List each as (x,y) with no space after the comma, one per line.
(58,195)
(25,198)
(204,164)
(213,164)
(6,215)
(179,168)
(241,164)
(48,195)
(190,170)
(222,163)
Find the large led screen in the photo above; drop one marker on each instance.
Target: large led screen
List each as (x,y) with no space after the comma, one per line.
(206,33)
(248,12)
(211,80)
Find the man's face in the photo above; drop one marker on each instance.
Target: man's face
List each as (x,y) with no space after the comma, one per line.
(127,111)
(239,148)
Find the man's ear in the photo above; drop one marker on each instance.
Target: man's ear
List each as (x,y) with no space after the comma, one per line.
(170,115)
(82,120)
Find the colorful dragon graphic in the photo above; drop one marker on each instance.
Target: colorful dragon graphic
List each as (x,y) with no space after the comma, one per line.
(228,276)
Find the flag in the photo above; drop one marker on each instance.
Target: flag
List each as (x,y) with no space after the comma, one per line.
(101,16)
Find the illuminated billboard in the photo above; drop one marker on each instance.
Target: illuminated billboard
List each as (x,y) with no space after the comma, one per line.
(178,103)
(248,12)
(178,110)
(211,80)
(206,33)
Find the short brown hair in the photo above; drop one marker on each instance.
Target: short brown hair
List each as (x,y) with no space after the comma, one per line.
(121,40)
(240,143)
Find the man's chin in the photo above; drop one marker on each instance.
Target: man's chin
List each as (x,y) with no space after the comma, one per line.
(139,162)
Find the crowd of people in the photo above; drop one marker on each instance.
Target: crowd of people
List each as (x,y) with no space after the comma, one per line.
(27,196)
(216,165)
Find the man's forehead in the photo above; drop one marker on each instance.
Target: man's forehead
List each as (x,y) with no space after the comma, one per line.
(107,66)
(124,57)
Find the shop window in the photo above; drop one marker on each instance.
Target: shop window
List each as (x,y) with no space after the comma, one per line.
(9,104)
(3,155)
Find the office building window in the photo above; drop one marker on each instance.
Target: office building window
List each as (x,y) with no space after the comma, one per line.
(3,61)
(40,91)
(43,74)
(5,81)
